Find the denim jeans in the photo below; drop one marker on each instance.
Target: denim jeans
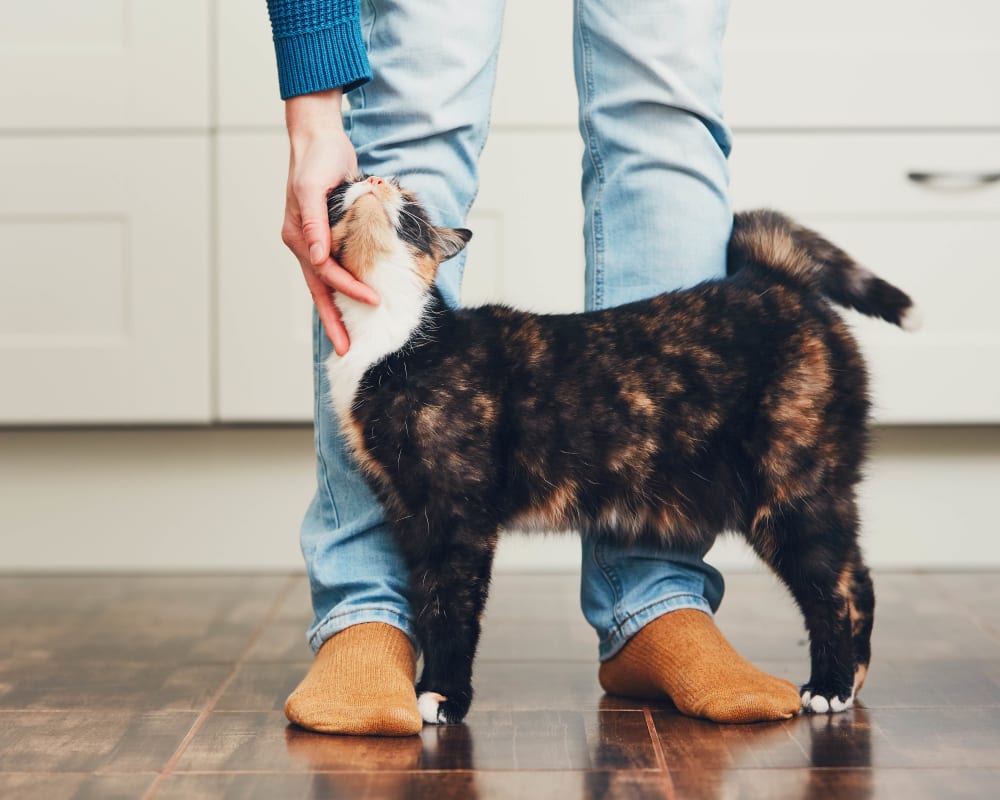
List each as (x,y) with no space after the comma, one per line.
(657,217)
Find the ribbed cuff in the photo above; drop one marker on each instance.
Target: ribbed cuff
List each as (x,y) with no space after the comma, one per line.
(324,59)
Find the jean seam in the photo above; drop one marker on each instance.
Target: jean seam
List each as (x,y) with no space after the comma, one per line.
(318,409)
(359,92)
(597,240)
(611,578)
(492,65)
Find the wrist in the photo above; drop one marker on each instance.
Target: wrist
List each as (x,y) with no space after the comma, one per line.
(313,115)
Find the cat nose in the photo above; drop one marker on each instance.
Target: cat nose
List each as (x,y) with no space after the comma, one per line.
(375,181)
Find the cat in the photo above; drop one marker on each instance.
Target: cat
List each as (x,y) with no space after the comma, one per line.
(740,405)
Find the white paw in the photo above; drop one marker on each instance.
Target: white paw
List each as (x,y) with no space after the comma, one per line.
(822,705)
(819,705)
(428,703)
(837,705)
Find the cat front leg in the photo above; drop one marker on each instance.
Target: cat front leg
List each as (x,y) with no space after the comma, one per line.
(449,576)
(813,549)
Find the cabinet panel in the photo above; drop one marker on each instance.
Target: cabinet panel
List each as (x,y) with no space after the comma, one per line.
(246,73)
(104,280)
(938,244)
(527,244)
(264,369)
(105,64)
(859,64)
(788,64)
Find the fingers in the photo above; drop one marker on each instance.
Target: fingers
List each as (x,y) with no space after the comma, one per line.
(315,224)
(329,316)
(340,280)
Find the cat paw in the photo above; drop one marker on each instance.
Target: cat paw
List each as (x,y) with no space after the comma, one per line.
(437,709)
(816,701)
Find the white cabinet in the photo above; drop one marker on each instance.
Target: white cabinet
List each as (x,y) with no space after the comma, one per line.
(265,311)
(526,248)
(142,276)
(799,79)
(105,64)
(934,240)
(104,279)
(863,64)
(247,80)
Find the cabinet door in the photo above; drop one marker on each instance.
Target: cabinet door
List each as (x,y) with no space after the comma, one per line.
(265,311)
(527,246)
(936,240)
(105,64)
(104,280)
(858,63)
(246,72)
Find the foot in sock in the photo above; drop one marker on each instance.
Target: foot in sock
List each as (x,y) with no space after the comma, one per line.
(360,683)
(683,656)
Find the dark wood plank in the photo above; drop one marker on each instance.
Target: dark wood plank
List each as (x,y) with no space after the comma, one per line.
(50,786)
(284,637)
(518,740)
(895,683)
(264,741)
(28,682)
(129,618)
(835,784)
(686,742)
(419,785)
(261,686)
(87,741)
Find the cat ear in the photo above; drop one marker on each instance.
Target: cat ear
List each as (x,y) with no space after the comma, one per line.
(451,241)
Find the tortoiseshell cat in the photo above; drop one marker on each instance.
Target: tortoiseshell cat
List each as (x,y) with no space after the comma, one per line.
(738,405)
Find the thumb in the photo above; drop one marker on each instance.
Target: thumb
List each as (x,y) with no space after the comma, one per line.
(316,230)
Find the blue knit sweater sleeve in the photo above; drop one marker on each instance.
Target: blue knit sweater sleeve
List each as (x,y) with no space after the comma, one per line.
(318,45)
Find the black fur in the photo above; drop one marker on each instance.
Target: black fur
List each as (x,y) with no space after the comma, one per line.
(737,405)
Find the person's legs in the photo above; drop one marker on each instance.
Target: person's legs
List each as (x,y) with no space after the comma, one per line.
(423,118)
(658,218)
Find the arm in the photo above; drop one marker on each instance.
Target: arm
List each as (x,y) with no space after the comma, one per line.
(319,52)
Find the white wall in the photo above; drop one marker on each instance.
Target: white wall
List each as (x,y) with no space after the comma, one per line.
(232,498)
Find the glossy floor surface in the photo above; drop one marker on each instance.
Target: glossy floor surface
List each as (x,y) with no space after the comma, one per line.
(172,686)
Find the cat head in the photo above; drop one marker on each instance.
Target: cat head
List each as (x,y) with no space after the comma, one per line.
(374,221)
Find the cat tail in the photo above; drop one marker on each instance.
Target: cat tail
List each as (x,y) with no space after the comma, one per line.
(768,240)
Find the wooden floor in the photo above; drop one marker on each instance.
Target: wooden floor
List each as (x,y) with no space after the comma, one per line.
(172,686)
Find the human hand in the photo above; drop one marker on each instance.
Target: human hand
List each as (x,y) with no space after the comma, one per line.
(321,157)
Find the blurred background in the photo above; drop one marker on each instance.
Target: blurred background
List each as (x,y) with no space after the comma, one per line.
(155,367)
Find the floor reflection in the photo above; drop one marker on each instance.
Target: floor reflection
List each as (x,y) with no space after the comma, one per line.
(790,759)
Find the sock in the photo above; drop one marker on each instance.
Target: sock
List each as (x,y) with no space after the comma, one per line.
(684,656)
(360,683)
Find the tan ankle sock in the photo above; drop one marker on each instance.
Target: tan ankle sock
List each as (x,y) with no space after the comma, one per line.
(684,656)
(362,683)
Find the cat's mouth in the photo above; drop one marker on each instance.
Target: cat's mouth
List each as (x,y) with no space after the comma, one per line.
(345,196)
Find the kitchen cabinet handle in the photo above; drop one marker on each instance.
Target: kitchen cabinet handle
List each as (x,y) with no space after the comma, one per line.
(954,181)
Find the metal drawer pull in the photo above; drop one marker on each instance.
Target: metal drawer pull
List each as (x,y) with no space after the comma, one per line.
(954,181)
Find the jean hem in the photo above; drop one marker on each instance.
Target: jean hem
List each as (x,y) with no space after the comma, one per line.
(617,638)
(334,624)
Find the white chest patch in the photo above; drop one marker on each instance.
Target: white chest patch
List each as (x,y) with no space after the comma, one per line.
(376,331)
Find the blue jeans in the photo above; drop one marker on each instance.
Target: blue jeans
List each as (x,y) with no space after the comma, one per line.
(657,218)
